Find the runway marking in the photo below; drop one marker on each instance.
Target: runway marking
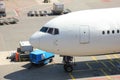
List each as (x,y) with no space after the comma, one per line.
(88,65)
(94,58)
(112,64)
(116,56)
(73,78)
(109,57)
(110,60)
(17,13)
(104,64)
(107,76)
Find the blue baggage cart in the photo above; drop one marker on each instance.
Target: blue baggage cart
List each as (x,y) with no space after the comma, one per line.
(41,57)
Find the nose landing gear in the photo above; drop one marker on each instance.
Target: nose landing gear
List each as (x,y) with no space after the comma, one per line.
(67,60)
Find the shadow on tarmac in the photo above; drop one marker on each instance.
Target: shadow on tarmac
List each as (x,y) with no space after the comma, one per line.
(84,69)
(47,72)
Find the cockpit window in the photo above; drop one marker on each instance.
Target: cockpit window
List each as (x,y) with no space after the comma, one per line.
(56,32)
(53,31)
(50,30)
(44,29)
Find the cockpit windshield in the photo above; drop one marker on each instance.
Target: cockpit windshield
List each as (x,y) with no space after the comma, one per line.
(44,29)
(53,31)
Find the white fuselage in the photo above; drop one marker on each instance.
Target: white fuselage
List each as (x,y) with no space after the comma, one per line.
(82,33)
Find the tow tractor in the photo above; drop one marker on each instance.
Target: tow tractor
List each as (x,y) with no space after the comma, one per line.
(40,57)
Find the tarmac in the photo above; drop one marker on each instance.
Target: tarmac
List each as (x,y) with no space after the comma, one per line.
(105,67)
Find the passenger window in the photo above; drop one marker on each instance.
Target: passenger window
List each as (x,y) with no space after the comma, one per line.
(113,31)
(44,29)
(118,31)
(50,30)
(103,32)
(108,32)
(56,31)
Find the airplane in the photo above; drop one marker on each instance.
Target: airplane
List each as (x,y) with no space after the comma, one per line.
(81,33)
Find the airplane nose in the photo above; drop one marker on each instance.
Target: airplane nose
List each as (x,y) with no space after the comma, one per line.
(35,40)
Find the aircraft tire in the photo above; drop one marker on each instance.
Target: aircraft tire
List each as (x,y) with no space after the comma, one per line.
(68,68)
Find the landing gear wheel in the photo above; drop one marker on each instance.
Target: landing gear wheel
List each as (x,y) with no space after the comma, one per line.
(68,63)
(68,68)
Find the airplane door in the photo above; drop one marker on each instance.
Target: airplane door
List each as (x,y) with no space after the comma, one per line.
(84,34)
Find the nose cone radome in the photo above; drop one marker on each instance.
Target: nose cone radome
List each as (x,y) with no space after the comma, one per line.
(35,40)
